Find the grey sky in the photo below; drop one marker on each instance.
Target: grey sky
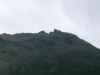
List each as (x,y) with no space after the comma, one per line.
(80,17)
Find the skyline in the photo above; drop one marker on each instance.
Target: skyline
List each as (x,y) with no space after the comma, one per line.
(80,17)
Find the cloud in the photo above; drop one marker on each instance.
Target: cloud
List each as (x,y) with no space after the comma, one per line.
(3,8)
(80,17)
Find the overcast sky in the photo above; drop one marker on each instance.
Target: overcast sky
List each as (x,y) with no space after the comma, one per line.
(80,17)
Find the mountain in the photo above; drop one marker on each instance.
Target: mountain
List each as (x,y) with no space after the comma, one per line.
(54,53)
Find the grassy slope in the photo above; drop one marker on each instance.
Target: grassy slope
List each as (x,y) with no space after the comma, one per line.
(56,53)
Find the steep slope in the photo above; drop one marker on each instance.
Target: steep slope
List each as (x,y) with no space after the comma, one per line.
(54,53)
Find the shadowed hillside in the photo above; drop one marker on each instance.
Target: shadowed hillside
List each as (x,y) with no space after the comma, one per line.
(54,53)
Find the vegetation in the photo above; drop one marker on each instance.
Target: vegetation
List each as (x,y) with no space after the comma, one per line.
(54,53)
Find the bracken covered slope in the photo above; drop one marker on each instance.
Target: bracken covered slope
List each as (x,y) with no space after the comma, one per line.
(54,53)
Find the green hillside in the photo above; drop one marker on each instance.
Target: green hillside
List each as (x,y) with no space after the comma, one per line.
(54,53)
